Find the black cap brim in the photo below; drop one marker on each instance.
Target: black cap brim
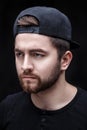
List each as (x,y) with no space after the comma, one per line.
(74,45)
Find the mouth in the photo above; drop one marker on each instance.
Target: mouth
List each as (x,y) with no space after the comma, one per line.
(33,77)
(27,77)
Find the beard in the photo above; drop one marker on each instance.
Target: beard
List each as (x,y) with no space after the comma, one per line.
(40,84)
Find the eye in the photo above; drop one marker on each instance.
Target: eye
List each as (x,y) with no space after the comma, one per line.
(38,55)
(19,54)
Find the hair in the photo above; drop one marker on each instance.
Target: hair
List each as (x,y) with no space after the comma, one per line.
(27,20)
(61,45)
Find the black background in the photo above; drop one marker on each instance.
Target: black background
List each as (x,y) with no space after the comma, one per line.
(77,13)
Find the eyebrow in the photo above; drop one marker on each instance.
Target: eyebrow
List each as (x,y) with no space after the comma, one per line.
(38,50)
(17,50)
(32,50)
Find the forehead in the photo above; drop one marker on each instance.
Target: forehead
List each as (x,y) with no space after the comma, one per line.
(29,40)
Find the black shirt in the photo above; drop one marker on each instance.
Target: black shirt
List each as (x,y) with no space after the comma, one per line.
(17,112)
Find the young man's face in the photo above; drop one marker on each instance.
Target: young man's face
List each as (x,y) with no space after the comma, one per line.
(37,62)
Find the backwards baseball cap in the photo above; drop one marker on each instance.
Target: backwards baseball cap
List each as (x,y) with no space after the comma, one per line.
(52,22)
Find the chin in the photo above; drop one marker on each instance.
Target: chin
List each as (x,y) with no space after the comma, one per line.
(30,89)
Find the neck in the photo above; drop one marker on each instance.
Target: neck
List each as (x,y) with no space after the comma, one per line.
(55,97)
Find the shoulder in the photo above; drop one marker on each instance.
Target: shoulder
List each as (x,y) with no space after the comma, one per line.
(82,94)
(11,105)
(13,102)
(13,99)
(81,99)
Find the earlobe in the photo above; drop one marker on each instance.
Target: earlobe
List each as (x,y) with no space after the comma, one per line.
(66,60)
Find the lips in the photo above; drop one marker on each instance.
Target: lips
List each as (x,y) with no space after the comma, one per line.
(28,77)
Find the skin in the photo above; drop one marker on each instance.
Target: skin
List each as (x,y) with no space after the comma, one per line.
(41,73)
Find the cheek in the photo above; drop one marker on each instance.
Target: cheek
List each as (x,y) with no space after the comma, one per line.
(45,68)
(18,67)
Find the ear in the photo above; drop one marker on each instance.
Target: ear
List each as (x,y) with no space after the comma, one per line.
(66,60)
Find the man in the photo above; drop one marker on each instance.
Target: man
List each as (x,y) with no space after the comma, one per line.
(42,49)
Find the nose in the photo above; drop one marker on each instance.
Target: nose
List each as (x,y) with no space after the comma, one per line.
(27,64)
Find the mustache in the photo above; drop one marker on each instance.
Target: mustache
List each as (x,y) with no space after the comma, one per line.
(28,74)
